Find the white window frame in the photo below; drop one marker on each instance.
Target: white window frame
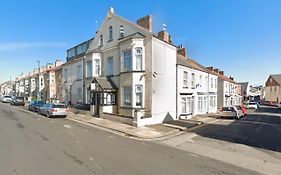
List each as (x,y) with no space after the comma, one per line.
(89,67)
(101,41)
(193,80)
(110,33)
(139,57)
(109,67)
(129,93)
(127,68)
(185,79)
(139,92)
(97,66)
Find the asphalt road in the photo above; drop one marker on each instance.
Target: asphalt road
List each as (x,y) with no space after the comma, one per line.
(31,144)
(260,129)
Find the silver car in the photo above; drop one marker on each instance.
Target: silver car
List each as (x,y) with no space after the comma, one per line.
(51,109)
(231,112)
(6,99)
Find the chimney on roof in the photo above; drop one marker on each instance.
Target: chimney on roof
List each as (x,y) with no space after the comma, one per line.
(181,50)
(221,72)
(58,63)
(211,68)
(230,77)
(165,36)
(145,22)
(216,70)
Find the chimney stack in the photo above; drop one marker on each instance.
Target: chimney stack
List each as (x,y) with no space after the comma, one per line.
(211,68)
(230,77)
(216,70)
(221,72)
(165,36)
(182,51)
(145,22)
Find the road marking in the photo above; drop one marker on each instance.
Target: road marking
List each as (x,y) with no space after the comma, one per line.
(67,126)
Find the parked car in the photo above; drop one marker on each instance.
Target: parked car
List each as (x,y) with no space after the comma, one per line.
(51,109)
(6,99)
(231,112)
(18,101)
(242,110)
(252,105)
(35,105)
(273,103)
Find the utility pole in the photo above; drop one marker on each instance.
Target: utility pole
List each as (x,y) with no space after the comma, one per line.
(38,92)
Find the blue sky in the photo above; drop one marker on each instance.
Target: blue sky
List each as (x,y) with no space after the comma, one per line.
(241,37)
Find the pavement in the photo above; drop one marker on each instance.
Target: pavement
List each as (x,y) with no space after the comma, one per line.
(151,132)
(252,142)
(33,144)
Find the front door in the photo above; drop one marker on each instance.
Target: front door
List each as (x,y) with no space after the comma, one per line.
(97,104)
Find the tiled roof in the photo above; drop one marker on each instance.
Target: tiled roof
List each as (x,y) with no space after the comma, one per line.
(184,61)
(277,77)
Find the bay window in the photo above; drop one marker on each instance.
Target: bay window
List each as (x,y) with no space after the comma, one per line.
(139,58)
(127,60)
(127,95)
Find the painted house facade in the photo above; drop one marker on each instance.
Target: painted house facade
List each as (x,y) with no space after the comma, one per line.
(228,90)
(273,88)
(196,89)
(129,72)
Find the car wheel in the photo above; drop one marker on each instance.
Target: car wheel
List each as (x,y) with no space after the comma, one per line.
(48,115)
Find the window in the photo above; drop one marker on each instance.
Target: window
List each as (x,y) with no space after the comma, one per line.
(79,72)
(121,32)
(138,58)
(97,66)
(41,80)
(187,106)
(109,98)
(185,79)
(110,34)
(212,84)
(71,53)
(127,56)
(109,66)
(200,80)
(193,80)
(212,101)
(202,104)
(215,83)
(127,95)
(138,95)
(89,68)
(101,41)
(81,48)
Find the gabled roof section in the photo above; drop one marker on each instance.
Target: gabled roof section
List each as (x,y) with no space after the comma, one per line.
(277,77)
(105,83)
(187,62)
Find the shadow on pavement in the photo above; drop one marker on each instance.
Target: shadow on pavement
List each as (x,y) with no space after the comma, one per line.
(256,130)
(268,109)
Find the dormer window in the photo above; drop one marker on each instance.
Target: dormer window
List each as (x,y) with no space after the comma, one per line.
(101,41)
(121,32)
(110,34)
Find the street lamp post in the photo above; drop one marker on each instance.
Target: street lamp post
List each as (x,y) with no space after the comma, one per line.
(38,92)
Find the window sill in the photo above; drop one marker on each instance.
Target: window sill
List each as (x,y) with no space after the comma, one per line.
(110,40)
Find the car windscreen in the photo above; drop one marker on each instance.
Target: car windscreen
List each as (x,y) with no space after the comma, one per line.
(59,106)
(252,103)
(19,98)
(227,109)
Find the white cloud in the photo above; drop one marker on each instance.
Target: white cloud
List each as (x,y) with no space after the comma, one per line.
(6,47)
